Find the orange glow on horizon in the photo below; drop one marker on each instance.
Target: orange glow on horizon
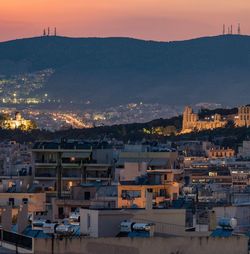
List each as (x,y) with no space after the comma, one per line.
(147,19)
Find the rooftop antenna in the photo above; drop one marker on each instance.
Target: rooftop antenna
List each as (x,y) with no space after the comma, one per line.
(224,29)
(239,30)
(55,32)
(48,31)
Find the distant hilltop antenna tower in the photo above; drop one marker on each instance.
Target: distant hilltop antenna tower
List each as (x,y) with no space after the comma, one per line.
(55,32)
(230,29)
(44,32)
(224,29)
(239,30)
(48,31)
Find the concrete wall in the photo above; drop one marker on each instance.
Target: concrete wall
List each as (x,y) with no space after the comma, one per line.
(167,221)
(101,223)
(179,245)
(132,170)
(109,225)
(106,223)
(89,222)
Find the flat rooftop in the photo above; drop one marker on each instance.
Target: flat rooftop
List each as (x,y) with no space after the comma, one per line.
(70,145)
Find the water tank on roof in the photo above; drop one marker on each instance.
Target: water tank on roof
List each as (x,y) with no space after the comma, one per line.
(38,224)
(49,228)
(126,226)
(228,223)
(74,217)
(63,229)
(141,227)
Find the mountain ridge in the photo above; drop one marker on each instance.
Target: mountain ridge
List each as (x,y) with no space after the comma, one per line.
(117,70)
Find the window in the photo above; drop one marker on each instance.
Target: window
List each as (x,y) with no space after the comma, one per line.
(212,173)
(86,195)
(25,200)
(162,193)
(131,194)
(11,201)
(175,196)
(61,212)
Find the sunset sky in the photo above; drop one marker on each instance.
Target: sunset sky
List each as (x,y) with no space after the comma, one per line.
(147,19)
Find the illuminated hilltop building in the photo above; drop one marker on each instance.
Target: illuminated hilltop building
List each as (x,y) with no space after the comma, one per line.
(18,123)
(243,117)
(191,122)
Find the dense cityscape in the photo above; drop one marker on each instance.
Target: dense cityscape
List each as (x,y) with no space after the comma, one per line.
(58,119)
(69,188)
(124,127)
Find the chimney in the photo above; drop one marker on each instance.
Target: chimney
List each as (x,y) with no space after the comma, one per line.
(7,218)
(22,218)
(212,220)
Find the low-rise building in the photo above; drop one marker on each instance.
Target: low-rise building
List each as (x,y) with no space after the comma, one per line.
(130,196)
(221,153)
(60,165)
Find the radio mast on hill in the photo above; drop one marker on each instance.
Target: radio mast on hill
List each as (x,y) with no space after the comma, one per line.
(239,30)
(224,29)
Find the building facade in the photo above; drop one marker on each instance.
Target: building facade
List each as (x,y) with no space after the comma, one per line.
(221,153)
(244,150)
(191,122)
(17,123)
(243,117)
(61,165)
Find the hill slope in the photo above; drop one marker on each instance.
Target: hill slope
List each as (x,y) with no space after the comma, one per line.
(109,71)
